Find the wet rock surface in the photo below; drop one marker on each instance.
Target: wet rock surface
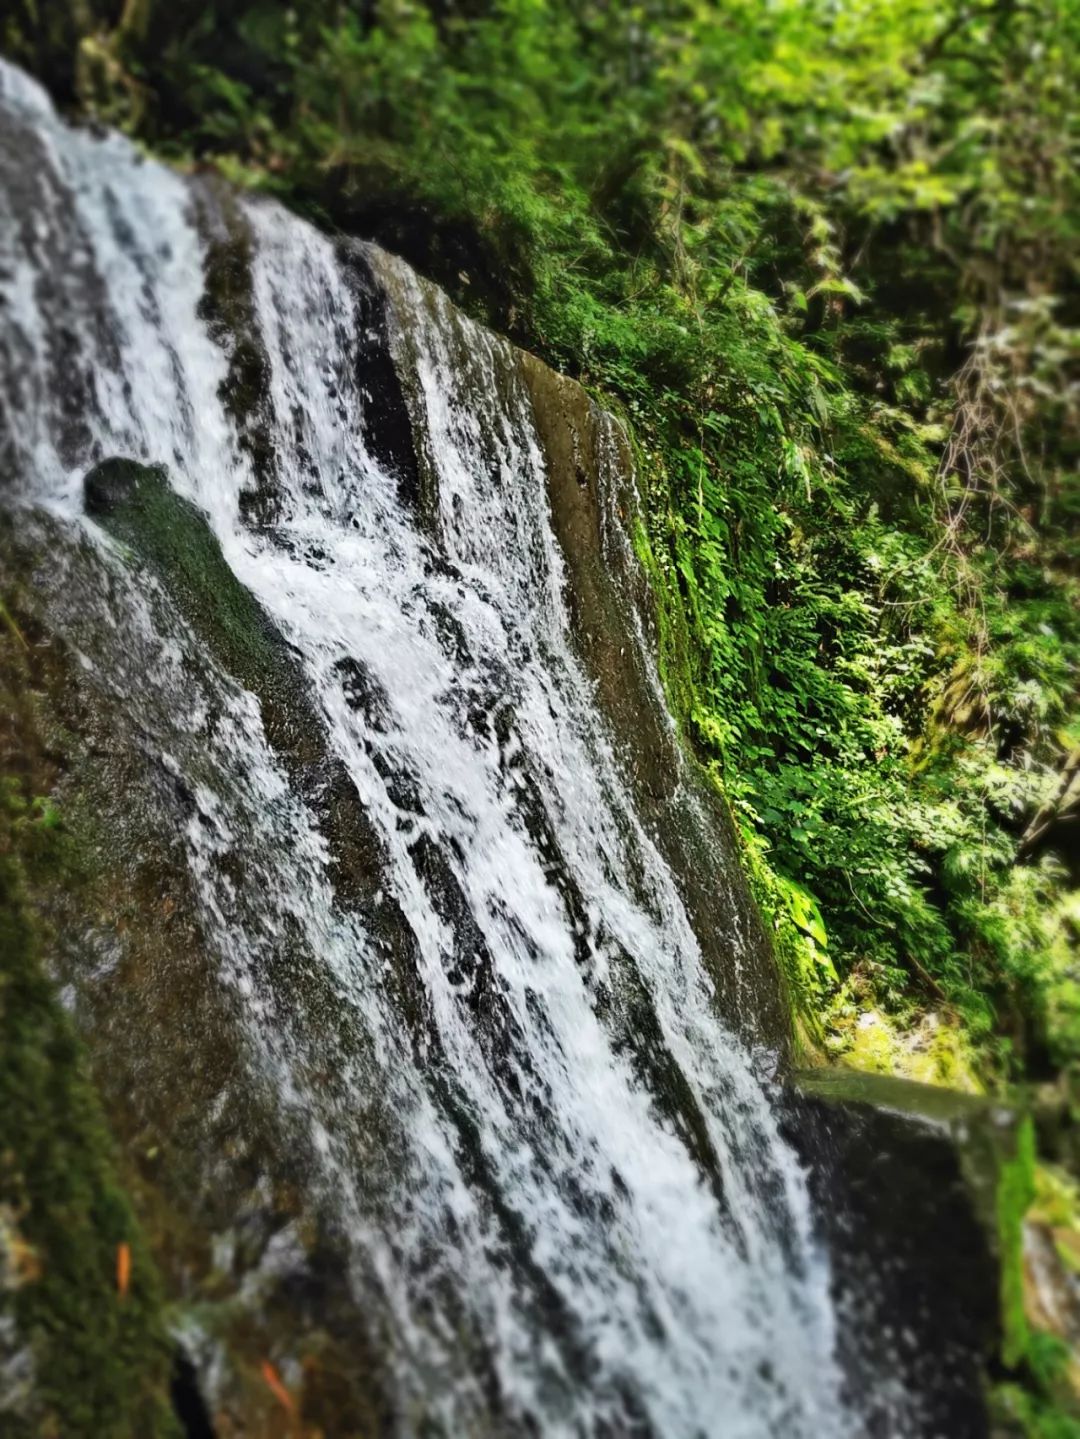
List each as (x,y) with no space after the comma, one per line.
(592,490)
(254,1267)
(908,1177)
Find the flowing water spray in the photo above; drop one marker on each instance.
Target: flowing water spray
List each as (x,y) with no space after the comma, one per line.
(554,1219)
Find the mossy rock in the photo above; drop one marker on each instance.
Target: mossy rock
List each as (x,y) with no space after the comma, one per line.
(617,618)
(173,539)
(136,504)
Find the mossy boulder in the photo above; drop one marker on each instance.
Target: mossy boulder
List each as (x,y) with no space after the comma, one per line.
(174,540)
(136,504)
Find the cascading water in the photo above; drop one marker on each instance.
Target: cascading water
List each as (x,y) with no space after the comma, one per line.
(466,978)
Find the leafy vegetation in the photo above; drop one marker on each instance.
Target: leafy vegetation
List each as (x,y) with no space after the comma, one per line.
(825,262)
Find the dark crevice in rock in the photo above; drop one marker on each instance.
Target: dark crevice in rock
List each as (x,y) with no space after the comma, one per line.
(187,1400)
(229,312)
(387,425)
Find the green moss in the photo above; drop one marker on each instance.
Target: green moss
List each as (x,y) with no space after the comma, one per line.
(673,639)
(1016,1190)
(172,538)
(1031,1415)
(805,966)
(1039,1402)
(101,1358)
(136,504)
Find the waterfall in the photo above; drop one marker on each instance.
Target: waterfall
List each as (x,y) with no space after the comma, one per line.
(463,976)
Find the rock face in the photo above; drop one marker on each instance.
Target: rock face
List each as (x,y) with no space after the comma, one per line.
(595,511)
(914,1187)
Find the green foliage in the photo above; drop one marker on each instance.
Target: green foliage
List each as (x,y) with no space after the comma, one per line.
(825,261)
(1016,1190)
(1039,1401)
(1032,1414)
